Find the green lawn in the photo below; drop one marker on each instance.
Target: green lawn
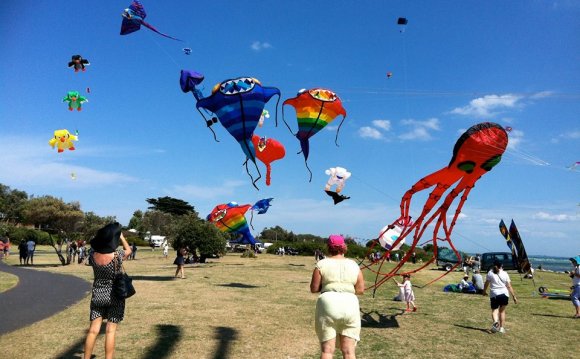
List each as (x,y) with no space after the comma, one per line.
(261,308)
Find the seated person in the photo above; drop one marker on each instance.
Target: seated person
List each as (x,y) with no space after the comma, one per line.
(477,282)
(464,284)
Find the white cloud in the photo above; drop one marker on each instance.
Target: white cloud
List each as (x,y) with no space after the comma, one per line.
(545,216)
(488,106)
(420,130)
(370,132)
(31,162)
(542,94)
(259,46)
(382,124)
(515,138)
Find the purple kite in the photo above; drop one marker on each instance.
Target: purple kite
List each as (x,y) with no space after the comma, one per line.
(134,17)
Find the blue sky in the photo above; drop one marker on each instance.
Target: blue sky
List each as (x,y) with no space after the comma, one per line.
(456,64)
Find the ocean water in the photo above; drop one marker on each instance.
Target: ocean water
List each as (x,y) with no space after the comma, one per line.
(556,264)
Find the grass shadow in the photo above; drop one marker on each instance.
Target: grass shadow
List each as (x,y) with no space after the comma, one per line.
(77,350)
(156,278)
(297,265)
(167,337)
(554,316)
(239,285)
(382,321)
(41,265)
(235,264)
(487,331)
(224,335)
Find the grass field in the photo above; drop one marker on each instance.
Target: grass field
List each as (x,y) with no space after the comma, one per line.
(237,307)
(7,281)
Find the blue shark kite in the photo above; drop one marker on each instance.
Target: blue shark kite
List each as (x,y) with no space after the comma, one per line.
(237,104)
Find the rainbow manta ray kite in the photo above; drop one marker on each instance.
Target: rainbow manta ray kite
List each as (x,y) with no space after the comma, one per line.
(238,104)
(230,218)
(134,17)
(476,152)
(315,109)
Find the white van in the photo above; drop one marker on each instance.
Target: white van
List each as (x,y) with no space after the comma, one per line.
(157,241)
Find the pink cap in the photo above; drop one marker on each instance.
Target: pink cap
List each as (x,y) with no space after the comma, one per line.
(336,240)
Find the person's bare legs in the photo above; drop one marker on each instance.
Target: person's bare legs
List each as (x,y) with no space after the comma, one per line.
(495,315)
(327,349)
(347,346)
(110,340)
(94,330)
(502,316)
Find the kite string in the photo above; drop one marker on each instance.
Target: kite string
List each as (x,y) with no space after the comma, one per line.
(161,47)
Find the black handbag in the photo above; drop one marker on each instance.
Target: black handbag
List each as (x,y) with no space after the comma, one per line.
(122,284)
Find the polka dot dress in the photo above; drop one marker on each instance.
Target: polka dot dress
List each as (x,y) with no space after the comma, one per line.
(103,303)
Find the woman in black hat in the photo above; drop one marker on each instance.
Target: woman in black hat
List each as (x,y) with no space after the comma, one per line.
(106,261)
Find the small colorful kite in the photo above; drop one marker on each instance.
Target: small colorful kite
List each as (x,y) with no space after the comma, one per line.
(63,140)
(78,63)
(187,50)
(476,153)
(389,75)
(338,177)
(230,218)
(74,100)
(265,115)
(262,205)
(134,17)
(315,108)
(238,104)
(268,150)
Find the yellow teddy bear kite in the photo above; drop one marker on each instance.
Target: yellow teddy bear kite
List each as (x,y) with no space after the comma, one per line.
(63,139)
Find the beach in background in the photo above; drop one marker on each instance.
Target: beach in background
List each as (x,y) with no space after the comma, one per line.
(556,264)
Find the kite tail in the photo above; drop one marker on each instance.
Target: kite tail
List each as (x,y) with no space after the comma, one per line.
(157,31)
(283,119)
(251,219)
(268,174)
(208,123)
(251,177)
(277,103)
(338,130)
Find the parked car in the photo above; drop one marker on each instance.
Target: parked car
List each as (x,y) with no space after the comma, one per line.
(446,258)
(506,258)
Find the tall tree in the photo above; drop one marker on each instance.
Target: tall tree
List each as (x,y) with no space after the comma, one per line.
(170,205)
(11,202)
(136,222)
(199,235)
(157,222)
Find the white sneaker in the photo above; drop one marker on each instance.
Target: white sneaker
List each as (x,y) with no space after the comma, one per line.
(495,327)
(502,330)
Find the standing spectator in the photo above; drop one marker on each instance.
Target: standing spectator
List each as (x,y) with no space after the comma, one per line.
(388,255)
(165,249)
(133,251)
(180,262)
(500,288)
(396,256)
(409,295)
(82,251)
(575,275)
(477,280)
(414,257)
(73,251)
(6,246)
(2,248)
(106,261)
(339,280)
(23,251)
(30,248)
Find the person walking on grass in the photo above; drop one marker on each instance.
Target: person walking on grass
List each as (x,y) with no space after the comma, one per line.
(106,261)
(575,275)
(409,295)
(338,280)
(498,281)
(180,262)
